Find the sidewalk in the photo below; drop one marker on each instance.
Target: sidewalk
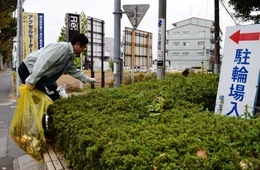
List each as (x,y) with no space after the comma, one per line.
(27,163)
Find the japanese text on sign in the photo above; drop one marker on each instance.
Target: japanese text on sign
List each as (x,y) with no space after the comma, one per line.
(30,32)
(239,79)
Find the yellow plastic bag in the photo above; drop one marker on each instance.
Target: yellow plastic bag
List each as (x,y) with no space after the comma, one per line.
(26,126)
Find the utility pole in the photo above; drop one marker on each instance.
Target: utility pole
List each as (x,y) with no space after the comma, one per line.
(117,34)
(161,39)
(19,43)
(217,39)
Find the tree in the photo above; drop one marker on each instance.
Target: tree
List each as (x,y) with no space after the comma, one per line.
(247,10)
(62,36)
(84,30)
(7,29)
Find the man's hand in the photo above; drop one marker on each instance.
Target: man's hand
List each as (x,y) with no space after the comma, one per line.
(92,80)
(31,86)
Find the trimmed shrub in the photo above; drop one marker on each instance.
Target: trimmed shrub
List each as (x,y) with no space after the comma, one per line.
(156,124)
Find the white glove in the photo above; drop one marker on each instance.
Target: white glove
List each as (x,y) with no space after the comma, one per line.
(62,91)
(91,80)
(62,87)
(30,85)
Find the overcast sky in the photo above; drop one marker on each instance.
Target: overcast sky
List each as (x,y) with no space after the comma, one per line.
(177,10)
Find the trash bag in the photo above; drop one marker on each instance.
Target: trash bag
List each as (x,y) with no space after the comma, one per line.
(26,126)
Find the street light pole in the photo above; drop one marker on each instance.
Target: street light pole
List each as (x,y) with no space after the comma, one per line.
(117,34)
(19,43)
(217,39)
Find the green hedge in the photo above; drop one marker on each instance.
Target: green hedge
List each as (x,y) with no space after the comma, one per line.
(156,124)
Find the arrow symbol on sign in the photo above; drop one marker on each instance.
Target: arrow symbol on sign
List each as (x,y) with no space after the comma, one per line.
(237,36)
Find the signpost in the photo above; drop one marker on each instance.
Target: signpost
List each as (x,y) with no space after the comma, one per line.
(135,14)
(137,49)
(95,47)
(72,25)
(73,28)
(239,79)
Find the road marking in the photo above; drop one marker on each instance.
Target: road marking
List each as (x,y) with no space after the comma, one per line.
(5,104)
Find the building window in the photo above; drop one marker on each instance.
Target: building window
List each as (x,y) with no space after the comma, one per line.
(201,43)
(176,44)
(186,32)
(185,54)
(201,33)
(176,33)
(176,54)
(200,53)
(186,44)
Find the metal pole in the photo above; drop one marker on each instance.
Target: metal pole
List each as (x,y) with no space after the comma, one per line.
(102,55)
(149,63)
(161,39)
(217,38)
(117,34)
(92,51)
(133,56)
(19,43)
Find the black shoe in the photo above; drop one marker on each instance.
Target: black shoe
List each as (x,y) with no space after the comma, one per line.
(48,137)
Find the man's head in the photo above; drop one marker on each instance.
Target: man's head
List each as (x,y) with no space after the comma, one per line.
(79,43)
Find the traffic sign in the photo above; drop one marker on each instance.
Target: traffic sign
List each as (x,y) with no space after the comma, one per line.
(135,13)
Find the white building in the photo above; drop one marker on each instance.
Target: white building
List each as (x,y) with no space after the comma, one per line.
(190,43)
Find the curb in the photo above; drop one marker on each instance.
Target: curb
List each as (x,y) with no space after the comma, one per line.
(53,159)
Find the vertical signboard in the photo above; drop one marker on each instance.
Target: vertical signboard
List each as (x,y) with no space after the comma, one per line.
(137,48)
(40,30)
(73,28)
(161,43)
(33,32)
(239,78)
(72,25)
(95,36)
(95,48)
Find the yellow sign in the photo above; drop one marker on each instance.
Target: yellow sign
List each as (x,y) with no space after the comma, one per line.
(30,33)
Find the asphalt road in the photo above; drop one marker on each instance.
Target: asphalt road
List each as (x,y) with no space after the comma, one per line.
(8,149)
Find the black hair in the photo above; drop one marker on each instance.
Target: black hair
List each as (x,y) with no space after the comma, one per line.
(81,38)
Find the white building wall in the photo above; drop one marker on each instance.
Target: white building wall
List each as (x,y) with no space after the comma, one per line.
(190,43)
(108,54)
(14,54)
